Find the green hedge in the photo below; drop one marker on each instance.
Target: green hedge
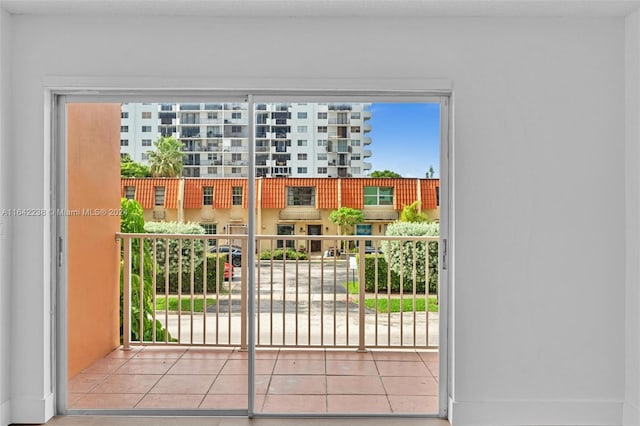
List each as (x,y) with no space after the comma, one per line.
(278,254)
(370,276)
(197,276)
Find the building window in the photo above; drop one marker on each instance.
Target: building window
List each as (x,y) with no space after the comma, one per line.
(207,195)
(355,170)
(146,129)
(159,196)
(236,115)
(146,115)
(124,114)
(355,157)
(285,230)
(212,116)
(302,156)
(124,142)
(236,196)
(146,142)
(302,129)
(236,142)
(236,170)
(322,116)
(322,157)
(236,129)
(212,170)
(130,192)
(302,115)
(210,229)
(144,156)
(378,196)
(236,156)
(355,142)
(302,170)
(124,129)
(302,142)
(301,196)
(355,129)
(322,142)
(322,129)
(355,116)
(322,170)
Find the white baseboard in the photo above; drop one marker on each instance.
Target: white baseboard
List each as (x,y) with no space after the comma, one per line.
(537,413)
(630,414)
(31,410)
(5,413)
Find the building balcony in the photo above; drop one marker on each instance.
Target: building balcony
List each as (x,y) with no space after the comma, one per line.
(300,329)
(366,141)
(366,153)
(366,166)
(366,128)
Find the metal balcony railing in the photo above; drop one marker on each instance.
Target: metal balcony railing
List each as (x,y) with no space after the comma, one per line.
(330,298)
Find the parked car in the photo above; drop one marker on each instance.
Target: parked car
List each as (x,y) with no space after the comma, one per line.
(372,250)
(228,271)
(333,252)
(234,257)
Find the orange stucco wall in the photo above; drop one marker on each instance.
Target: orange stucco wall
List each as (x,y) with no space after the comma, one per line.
(93,167)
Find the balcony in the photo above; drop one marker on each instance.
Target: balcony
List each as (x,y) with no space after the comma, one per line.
(303,327)
(366,153)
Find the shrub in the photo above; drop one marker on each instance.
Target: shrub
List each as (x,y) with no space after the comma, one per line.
(186,246)
(399,255)
(278,254)
(214,264)
(132,221)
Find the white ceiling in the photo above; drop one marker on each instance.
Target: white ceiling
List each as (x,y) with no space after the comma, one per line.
(326,8)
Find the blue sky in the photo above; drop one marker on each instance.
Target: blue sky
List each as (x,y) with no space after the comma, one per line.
(405,138)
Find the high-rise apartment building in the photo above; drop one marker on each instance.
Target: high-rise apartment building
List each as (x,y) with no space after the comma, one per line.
(292,140)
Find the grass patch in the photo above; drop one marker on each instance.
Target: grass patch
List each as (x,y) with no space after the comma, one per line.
(407,304)
(384,305)
(185,303)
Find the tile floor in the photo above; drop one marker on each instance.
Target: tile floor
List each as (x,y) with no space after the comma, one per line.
(287,380)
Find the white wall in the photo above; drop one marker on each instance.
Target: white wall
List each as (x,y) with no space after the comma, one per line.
(5,252)
(539,172)
(632,155)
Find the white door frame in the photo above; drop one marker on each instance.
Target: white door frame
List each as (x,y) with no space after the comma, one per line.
(59,96)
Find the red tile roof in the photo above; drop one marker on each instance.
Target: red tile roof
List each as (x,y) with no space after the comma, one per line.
(145,190)
(222,192)
(273,192)
(429,196)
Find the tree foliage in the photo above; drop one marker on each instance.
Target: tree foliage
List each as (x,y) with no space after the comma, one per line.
(129,168)
(190,228)
(132,221)
(167,159)
(411,213)
(406,257)
(384,174)
(346,217)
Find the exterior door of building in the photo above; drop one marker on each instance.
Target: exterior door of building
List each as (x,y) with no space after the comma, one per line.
(314,245)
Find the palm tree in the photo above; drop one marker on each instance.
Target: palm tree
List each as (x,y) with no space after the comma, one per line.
(166,160)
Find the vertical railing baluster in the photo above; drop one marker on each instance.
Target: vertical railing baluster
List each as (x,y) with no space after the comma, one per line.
(243,298)
(361,296)
(141,292)
(179,290)
(258,284)
(426,293)
(271,295)
(401,293)
(375,291)
(166,290)
(321,298)
(284,291)
(217,261)
(192,261)
(205,250)
(153,293)
(415,285)
(126,295)
(309,293)
(297,294)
